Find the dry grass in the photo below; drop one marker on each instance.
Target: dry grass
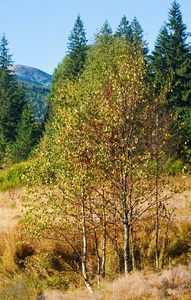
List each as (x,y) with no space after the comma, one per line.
(174,283)
(10,208)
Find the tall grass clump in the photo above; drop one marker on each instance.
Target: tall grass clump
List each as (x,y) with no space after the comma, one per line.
(14,176)
(16,282)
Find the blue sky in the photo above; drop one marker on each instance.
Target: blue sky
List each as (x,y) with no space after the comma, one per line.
(38,30)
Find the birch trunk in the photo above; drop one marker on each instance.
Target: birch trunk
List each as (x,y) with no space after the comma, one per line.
(84,272)
(156,197)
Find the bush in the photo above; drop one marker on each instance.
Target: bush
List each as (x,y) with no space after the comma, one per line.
(14,176)
(174,167)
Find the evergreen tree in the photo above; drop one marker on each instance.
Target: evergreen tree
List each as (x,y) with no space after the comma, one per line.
(124,29)
(137,31)
(171,62)
(24,136)
(105,34)
(106,29)
(7,89)
(171,59)
(160,57)
(179,58)
(137,35)
(77,49)
(73,63)
(17,105)
(16,117)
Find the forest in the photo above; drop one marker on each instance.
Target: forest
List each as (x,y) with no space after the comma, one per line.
(103,179)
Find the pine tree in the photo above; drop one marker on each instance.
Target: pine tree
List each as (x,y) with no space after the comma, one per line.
(137,35)
(179,58)
(106,29)
(24,136)
(160,57)
(73,63)
(77,49)
(7,89)
(17,106)
(171,59)
(16,117)
(171,62)
(105,34)
(124,29)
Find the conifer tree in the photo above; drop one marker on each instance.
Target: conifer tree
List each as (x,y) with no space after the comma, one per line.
(179,58)
(124,29)
(160,57)
(137,31)
(73,63)
(137,35)
(106,29)
(172,59)
(24,136)
(7,89)
(77,48)
(15,114)
(171,63)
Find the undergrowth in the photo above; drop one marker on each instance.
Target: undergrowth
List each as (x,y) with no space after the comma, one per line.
(31,267)
(14,176)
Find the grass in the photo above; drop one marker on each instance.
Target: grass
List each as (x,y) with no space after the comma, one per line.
(32,267)
(14,283)
(172,284)
(14,177)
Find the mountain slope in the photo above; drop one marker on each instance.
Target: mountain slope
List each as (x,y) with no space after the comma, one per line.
(32,75)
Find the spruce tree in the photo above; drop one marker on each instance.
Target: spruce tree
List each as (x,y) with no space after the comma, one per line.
(24,136)
(7,90)
(105,34)
(73,63)
(137,35)
(179,58)
(171,63)
(16,117)
(171,59)
(106,29)
(137,31)
(77,49)
(160,57)
(124,29)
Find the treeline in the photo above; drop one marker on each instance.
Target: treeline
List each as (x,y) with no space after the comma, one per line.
(117,117)
(170,66)
(19,130)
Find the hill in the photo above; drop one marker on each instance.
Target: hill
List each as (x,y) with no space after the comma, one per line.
(32,75)
(37,96)
(37,87)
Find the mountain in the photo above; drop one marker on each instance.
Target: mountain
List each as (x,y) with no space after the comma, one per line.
(32,75)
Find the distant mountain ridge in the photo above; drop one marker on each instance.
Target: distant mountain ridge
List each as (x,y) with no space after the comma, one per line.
(32,75)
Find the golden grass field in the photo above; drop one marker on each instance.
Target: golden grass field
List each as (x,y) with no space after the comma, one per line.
(174,282)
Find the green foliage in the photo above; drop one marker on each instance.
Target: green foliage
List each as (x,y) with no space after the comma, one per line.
(17,125)
(14,177)
(171,63)
(101,162)
(77,48)
(37,97)
(174,167)
(97,140)
(124,30)
(72,64)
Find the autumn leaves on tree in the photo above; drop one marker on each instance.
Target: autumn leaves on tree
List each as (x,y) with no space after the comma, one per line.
(106,144)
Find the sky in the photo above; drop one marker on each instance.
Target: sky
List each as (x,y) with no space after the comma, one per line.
(38,30)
